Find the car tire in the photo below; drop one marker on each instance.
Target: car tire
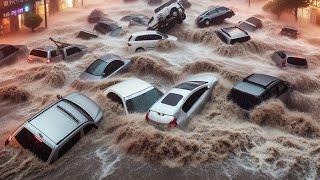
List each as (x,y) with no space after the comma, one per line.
(183,16)
(139,50)
(174,12)
(207,22)
(161,18)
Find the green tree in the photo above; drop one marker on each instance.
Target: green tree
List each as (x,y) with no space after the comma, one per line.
(276,7)
(32,21)
(294,5)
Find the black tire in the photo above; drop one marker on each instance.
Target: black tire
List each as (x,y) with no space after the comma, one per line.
(174,12)
(138,50)
(183,16)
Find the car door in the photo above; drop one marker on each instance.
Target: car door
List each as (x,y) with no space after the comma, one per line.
(113,67)
(194,102)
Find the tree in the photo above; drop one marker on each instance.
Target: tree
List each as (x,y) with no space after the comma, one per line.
(32,21)
(294,5)
(275,7)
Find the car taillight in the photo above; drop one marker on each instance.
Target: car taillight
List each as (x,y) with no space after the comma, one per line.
(173,123)
(147,117)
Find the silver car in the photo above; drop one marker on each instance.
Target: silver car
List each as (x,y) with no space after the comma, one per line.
(181,102)
(105,67)
(53,131)
(135,95)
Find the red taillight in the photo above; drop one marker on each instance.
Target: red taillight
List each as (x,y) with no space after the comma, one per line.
(40,140)
(147,117)
(173,123)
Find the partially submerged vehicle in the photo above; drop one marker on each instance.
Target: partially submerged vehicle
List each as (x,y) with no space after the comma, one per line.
(9,53)
(166,16)
(134,95)
(285,59)
(62,51)
(232,35)
(105,67)
(147,40)
(214,16)
(87,35)
(257,88)
(251,24)
(182,102)
(289,31)
(55,130)
(105,27)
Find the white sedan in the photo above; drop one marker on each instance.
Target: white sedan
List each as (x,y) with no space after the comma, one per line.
(181,102)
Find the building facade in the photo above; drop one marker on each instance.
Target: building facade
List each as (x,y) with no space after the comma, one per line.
(311,13)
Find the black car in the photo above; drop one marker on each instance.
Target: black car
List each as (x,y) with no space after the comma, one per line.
(285,59)
(257,88)
(213,16)
(251,24)
(290,32)
(8,53)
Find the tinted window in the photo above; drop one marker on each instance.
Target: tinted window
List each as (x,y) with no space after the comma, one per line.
(27,140)
(172,99)
(193,99)
(143,102)
(39,53)
(281,54)
(142,38)
(113,66)
(115,98)
(154,37)
(97,67)
(69,144)
(8,50)
(222,37)
(297,61)
(72,51)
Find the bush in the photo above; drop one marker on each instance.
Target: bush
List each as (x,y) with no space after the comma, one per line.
(32,21)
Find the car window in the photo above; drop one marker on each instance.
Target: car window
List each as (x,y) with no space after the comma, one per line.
(155,37)
(87,128)
(112,67)
(39,53)
(281,54)
(193,99)
(142,38)
(273,92)
(142,103)
(73,50)
(172,99)
(69,144)
(222,37)
(54,53)
(28,140)
(97,67)
(115,98)
(297,61)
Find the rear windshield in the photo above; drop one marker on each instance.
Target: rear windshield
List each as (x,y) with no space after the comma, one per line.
(28,140)
(97,67)
(143,102)
(222,37)
(244,100)
(297,61)
(39,53)
(172,99)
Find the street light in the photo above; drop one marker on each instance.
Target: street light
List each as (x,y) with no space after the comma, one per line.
(45,14)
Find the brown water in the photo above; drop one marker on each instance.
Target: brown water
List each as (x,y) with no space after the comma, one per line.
(280,140)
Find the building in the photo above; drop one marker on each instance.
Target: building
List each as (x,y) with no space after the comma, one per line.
(11,14)
(311,13)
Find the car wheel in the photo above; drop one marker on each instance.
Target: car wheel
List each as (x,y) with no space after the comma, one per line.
(174,12)
(140,50)
(161,18)
(207,22)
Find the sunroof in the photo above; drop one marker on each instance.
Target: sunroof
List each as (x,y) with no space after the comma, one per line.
(191,85)
(172,99)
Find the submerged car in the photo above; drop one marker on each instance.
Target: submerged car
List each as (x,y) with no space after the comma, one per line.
(251,24)
(8,53)
(134,95)
(55,130)
(147,40)
(106,66)
(166,16)
(213,16)
(257,88)
(290,32)
(183,101)
(232,35)
(288,59)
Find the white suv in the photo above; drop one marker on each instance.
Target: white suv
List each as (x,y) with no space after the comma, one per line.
(166,15)
(147,40)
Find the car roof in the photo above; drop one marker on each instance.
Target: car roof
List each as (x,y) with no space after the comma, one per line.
(45,48)
(249,88)
(108,57)
(129,87)
(234,31)
(165,5)
(140,33)
(58,121)
(261,79)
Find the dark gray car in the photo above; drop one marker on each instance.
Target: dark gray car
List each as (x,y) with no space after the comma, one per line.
(105,67)
(213,16)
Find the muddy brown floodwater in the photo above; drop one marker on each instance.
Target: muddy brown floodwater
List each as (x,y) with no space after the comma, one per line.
(280,139)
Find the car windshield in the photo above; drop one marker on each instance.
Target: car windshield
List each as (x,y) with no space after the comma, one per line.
(143,102)
(297,61)
(97,67)
(172,99)
(39,53)
(247,26)
(29,141)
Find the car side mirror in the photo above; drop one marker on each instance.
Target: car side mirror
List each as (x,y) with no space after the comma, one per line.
(59,96)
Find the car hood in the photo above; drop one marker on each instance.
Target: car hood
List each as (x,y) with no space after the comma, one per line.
(88,76)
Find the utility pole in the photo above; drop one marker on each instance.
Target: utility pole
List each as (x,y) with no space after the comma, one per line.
(45,14)
(82,3)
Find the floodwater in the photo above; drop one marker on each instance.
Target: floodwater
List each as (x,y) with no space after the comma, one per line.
(280,140)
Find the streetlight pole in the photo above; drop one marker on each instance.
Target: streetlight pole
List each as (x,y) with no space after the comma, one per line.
(45,14)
